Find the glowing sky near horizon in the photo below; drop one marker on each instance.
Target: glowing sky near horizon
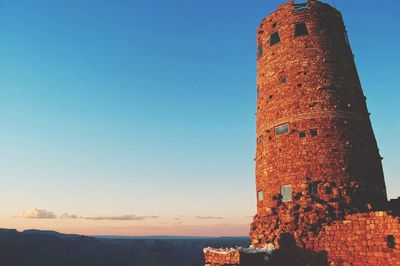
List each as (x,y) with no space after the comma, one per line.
(137,117)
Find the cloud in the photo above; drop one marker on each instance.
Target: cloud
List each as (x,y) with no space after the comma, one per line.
(128,217)
(209,217)
(38,214)
(68,216)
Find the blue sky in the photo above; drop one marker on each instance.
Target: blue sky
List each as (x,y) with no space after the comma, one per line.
(147,107)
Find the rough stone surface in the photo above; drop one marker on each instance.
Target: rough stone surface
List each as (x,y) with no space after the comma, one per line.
(327,153)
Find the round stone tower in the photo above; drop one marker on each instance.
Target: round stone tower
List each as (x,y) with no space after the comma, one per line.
(315,143)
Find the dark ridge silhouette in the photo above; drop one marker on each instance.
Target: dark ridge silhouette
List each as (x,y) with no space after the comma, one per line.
(49,248)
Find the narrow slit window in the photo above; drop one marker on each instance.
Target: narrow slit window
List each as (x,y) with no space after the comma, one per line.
(313,132)
(260,195)
(274,38)
(302,134)
(300,29)
(259,51)
(313,189)
(283,80)
(286,193)
(390,241)
(282,129)
(258,92)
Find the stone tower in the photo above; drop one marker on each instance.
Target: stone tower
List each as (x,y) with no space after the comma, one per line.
(321,196)
(315,144)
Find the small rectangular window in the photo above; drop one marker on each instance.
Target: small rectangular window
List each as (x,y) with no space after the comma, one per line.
(300,29)
(283,80)
(259,51)
(328,190)
(302,134)
(282,129)
(313,189)
(302,6)
(390,241)
(274,38)
(313,132)
(286,193)
(260,195)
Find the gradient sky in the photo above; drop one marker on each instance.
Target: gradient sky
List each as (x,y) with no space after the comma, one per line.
(118,111)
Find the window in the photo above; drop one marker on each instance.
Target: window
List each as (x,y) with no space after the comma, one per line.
(328,190)
(390,241)
(260,195)
(283,80)
(313,189)
(282,129)
(313,132)
(270,97)
(286,193)
(300,29)
(260,139)
(274,38)
(302,6)
(258,92)
(302,134)
(259,51)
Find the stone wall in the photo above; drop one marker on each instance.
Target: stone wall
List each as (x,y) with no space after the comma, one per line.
(361,239)
(215,258)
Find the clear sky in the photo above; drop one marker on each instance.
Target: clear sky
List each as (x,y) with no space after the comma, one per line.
(137,117)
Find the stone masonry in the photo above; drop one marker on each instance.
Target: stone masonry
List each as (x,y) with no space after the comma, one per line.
(319,174)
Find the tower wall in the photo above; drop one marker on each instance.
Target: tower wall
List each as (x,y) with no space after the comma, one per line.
(310,84)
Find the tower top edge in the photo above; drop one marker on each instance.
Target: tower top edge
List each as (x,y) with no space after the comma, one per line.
(292,8)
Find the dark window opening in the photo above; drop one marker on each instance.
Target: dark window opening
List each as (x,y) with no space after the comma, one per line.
(260,139)
(274,25)
(258,92)
(301,6)
(274,38)
(302,134)
(260,195)
(259,51)
(313,189)
(313,132)
(270,97)
(328,190)
(390,241)
(283,80)
(286,193)
(300,29)
(282,129)
(299,85)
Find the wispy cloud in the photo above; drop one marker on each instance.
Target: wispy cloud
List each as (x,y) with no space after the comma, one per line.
(68,216)
(38,214)
(209,217)
(128,217)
